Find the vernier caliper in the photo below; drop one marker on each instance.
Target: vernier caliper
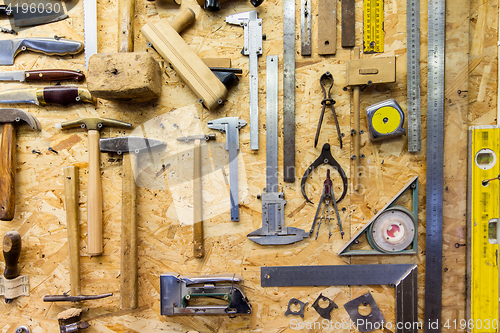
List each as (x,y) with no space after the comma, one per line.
(273,231)
(252,27)
(231,125)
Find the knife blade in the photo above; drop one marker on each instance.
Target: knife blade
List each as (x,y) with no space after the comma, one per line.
(11,47)
(44,75)
(62,95)
(26,17)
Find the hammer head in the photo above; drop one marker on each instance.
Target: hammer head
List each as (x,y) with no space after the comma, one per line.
(127,144)
(92,123)
(16,116)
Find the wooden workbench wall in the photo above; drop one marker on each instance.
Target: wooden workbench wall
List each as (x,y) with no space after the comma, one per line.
(165,237)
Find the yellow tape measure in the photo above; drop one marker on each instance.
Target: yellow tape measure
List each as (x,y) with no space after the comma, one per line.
(385,119)
(373,26)
(482,247)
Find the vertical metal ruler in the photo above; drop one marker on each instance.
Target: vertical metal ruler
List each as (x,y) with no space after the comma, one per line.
(289,91)
(434,201)
(482,222)
(373,26)
(413,73)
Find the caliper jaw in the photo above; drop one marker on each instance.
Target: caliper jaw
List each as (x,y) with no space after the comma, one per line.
(177,291)
(273,232)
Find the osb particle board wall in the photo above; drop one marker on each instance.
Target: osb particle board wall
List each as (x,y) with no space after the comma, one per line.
(165,243)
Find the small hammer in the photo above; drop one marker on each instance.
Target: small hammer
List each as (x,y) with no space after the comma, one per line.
(198,242)
(128,262)
(9,117)
(94,193)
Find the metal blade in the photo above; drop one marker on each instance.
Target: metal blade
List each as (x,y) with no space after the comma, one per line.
(28,19)
(90,27)
(6,53)
(127,144)
(12,76)
(15,96)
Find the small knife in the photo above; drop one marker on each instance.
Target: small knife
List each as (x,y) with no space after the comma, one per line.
(44,75)
(11,47)
(62,95)
(127,144)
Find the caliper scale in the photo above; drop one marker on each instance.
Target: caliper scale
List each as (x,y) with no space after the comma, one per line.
(273,231)
(252,27)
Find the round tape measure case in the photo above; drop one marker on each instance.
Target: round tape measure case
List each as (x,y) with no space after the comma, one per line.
(385,120)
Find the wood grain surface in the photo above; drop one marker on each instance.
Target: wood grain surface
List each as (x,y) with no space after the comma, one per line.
(165,184)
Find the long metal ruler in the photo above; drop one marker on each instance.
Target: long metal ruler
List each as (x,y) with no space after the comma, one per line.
(482,242)
(413,73)
(373,26)
(289,91)
(435,128)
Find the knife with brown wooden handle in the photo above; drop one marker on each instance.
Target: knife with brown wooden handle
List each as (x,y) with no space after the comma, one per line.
(62,95)
(42,75)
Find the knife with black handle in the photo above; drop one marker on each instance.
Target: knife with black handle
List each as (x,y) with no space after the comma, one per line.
(50,46)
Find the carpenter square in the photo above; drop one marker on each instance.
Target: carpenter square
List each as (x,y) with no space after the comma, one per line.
(289,91)
(403,277)
(231,126)
(273,231)
(435,139)
(252,27)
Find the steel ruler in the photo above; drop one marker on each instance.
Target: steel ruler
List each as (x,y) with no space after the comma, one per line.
(289,91)
(434,201)
(413,73)
(482,242)
(373,26)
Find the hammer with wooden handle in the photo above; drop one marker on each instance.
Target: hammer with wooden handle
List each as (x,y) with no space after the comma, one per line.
(198,242)
(128,263)
(10,117)
(94,193)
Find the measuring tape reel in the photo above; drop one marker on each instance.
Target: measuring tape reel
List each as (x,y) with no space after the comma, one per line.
(385,120)
(393,230)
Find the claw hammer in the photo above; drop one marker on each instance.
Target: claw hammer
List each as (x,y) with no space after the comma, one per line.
(94,191)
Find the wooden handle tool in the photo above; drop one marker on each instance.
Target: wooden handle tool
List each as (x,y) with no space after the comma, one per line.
(7,172)
(71,194)
(94,197)
(197,203)
(128,264)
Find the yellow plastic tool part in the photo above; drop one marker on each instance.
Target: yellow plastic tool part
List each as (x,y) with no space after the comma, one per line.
(484,202)
(373,26)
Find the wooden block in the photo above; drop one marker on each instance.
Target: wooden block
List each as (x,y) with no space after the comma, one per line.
(327,26)
(374,70)
(186,63)
(132,76)
(217,62)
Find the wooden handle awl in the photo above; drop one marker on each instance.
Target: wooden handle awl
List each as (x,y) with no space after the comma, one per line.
(7,172)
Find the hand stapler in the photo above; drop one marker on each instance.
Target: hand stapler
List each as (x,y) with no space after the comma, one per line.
(189,295)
